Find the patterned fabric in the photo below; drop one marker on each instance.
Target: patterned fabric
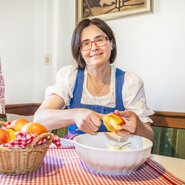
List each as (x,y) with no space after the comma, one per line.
(169,142)
(133,94)
(64,167)
(24,139)
(2,92)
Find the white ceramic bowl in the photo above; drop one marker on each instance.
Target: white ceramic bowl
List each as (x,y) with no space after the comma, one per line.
(97,152)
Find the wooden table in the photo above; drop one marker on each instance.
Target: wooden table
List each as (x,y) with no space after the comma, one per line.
(174,165)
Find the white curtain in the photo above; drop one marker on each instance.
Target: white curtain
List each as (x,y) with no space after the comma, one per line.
(2,92)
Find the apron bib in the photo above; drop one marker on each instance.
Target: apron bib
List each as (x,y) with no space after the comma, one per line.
(76,101)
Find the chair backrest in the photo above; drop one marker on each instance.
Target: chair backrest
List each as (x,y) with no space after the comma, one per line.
(169,134)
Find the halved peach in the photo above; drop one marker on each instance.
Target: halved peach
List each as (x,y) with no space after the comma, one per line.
(113,122)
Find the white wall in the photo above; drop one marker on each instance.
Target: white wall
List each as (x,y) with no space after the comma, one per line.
(151,45)
(16,43)
(51,28)
(29,30)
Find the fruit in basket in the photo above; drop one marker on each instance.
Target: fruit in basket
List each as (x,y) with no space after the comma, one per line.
(18,124)
(4,136)
(34,128)
(11,133)
(113,122)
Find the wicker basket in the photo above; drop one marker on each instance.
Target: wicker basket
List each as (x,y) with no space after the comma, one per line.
(21,161)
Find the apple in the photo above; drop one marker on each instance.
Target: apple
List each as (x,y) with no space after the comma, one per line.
(113,122)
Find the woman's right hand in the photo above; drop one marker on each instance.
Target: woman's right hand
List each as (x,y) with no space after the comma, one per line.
(87,120)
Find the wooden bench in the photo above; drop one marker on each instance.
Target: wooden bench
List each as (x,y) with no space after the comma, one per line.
(169,129)
(28,109)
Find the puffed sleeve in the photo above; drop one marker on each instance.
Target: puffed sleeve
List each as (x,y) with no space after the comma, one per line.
(64,85)
(134,97)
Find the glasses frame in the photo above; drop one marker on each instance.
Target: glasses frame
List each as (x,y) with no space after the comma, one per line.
(94,41)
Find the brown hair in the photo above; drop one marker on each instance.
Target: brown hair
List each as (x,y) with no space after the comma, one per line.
(76,39)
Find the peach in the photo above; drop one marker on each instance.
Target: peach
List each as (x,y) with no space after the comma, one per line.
(34,128)
(18,124)
(11,133)
(113,122)
(4,136)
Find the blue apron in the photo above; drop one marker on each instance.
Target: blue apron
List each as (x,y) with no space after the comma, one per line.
(77,94)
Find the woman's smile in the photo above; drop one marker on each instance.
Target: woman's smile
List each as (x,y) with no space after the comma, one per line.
(96,54)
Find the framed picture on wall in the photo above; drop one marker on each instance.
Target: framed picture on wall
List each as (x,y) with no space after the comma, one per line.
(111,9)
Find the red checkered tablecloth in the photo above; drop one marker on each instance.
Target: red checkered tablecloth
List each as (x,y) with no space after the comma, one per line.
(62,166)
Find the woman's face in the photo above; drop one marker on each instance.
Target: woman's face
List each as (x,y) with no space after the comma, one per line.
(96,56)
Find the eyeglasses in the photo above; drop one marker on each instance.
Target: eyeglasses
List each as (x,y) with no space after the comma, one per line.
(99,41)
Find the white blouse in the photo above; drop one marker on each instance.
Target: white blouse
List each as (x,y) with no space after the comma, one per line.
(132,92)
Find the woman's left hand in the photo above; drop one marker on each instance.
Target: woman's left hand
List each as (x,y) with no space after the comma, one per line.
(132,122)
(134,125)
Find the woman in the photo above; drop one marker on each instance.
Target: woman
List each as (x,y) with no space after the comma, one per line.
(94,87)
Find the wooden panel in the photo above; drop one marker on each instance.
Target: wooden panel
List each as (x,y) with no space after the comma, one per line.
(22,109)
(169,119)
(26,109)
(160,118)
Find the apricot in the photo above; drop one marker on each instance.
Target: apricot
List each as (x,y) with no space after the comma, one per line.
(34,128)
(18,124)
(113,122)
(4,136)
(11,133)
